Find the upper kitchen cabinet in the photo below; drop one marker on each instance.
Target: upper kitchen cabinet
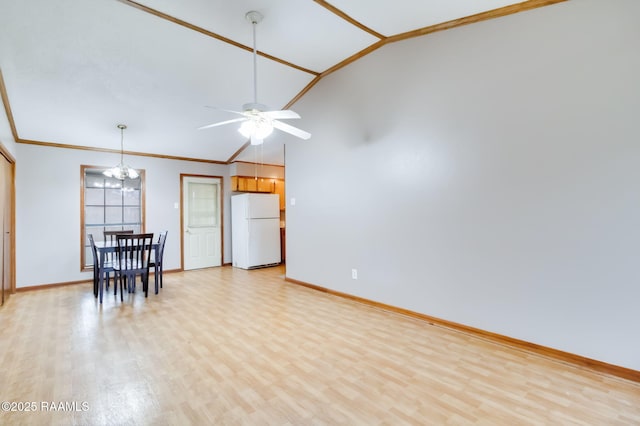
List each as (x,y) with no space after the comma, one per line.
(279,189)
(259,184)
(252,184)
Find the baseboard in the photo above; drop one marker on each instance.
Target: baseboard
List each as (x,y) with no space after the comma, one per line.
(567,357)
(54,285)
(89,281)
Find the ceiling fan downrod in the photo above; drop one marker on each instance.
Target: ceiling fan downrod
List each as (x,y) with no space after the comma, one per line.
(254,18)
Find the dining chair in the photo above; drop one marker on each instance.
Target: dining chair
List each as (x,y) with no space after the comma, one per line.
(107,268)
(110,237)
(133,258)
(156,262)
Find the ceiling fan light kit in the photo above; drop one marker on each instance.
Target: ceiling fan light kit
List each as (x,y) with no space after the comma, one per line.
(257,121)
(121,171)
(256,129)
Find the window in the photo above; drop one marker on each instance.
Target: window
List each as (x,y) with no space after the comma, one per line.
(108,204)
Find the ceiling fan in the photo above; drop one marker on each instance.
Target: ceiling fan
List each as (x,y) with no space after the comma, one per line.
(257,120)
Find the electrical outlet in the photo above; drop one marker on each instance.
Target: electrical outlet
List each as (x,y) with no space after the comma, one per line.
(354,274)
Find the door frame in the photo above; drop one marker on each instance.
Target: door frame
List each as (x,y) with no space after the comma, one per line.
(221,195)
(4,152)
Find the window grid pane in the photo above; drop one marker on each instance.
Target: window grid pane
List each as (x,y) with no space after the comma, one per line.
(109,204)
(202,205)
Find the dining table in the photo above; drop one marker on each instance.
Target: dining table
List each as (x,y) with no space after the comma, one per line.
(104,248)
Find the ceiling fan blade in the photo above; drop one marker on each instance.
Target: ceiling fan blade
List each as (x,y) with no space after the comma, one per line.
(291,130)
(223,109)
(235,120)
(284,114)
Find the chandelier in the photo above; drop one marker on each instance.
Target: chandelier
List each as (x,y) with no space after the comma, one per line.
(121,171)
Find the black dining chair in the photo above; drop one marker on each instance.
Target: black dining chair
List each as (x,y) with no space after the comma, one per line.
(156,262)
(106,269)
(110,237)
(133,258)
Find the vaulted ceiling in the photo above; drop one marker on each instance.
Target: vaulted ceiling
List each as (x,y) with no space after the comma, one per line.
(74,69)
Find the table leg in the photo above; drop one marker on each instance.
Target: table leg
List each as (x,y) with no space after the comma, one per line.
(100,275)
(155,274)
(95,282)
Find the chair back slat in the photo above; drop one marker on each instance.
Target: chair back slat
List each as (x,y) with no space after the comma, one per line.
(110,236)
(93,249)
(156,262)
(161,241)
(134,251)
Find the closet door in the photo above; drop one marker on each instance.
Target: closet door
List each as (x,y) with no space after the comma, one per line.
(3,275)
(6,189)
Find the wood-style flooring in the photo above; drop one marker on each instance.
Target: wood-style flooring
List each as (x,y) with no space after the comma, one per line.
(225,346)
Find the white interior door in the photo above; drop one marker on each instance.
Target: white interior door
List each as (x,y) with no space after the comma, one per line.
(202,234)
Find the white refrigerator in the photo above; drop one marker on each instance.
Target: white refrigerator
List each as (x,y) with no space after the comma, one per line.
(255,230)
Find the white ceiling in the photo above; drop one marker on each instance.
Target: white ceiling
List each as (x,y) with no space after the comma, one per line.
(74,69)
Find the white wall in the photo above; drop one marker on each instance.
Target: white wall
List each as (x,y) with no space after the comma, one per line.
(48,209)
(487,175)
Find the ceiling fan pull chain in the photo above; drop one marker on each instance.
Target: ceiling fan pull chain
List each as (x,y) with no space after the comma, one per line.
(255,162)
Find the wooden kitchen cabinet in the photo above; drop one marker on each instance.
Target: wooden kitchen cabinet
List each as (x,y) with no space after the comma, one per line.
(265,185)
(279,189)
(252,184)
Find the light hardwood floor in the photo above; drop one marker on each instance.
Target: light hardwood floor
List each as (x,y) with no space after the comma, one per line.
(228,346)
